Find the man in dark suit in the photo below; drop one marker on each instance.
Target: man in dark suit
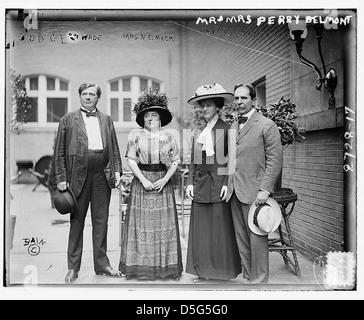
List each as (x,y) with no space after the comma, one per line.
(87,160)
(255,162)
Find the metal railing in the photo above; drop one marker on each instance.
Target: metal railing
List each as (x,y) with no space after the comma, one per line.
(124,190)
(184,176)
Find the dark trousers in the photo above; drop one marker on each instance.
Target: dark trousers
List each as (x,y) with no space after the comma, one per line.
(253,249)
(97,191)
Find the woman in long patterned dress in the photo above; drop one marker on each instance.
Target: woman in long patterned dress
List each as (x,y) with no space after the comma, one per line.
(212,248)
(151,246)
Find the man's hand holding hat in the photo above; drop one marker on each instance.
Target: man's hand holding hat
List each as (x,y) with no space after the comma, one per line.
(262,198)
(62,186)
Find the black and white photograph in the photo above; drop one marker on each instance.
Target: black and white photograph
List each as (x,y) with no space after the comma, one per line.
(177,149)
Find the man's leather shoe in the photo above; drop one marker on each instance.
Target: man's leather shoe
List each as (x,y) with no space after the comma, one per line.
(109,272)
(71,276)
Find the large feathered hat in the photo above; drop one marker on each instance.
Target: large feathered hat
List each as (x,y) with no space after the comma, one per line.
(152,101)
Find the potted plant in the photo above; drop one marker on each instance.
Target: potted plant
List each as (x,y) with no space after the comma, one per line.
(283,113)
(20,103)
(19,113)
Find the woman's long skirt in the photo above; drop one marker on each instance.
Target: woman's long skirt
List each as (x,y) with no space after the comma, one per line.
(151,242)
(212,249)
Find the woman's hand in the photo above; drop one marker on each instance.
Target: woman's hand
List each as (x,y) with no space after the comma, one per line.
(147,184)
(159,185)
(190,192)
(117,179)
(223,193)
(262,198)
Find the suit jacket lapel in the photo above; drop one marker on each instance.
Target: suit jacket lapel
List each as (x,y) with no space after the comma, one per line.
(250,124)
(234,129)
(217,135)
(103,128)
(201,128)
(79,121)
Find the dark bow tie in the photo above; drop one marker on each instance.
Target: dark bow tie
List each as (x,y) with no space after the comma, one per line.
(92,113)
(242,120)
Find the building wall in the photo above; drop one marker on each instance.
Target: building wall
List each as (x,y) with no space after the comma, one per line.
(113,49)
(227,53)
(188,60)
(313,169)
(233,53)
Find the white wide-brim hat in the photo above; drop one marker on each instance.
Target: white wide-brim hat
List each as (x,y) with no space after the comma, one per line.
(265,218)
(211,91)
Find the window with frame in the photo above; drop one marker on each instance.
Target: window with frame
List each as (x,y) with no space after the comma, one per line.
(260,89)
(123,93)
(49,96)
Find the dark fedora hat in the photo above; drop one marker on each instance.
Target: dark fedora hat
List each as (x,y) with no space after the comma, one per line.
(66,202)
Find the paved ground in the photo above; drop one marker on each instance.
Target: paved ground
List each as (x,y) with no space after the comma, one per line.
(38,255)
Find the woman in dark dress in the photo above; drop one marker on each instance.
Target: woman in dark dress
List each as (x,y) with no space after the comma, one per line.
(212,249)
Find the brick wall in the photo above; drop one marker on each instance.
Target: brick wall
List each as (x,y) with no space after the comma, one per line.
(234,53)
(313,170)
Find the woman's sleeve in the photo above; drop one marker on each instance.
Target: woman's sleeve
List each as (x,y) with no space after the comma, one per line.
(226,153)
(175,154)
(192,166)
(132,147)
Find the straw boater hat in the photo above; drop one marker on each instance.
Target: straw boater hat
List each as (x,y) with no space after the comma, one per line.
(210,91)
(66,202)
(265,218)
(152,101)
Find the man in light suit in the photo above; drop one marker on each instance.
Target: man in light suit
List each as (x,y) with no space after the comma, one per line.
(87,160)
(254,167)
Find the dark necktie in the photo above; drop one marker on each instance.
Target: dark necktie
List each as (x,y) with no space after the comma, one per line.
(242,120)
(92,113)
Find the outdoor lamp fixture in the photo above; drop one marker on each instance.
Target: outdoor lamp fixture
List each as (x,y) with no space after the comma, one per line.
(298,33)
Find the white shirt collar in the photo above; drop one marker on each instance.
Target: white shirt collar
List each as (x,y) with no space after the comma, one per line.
(205,137)
(93,110)
(249,114)
(84,113)
(93,131)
